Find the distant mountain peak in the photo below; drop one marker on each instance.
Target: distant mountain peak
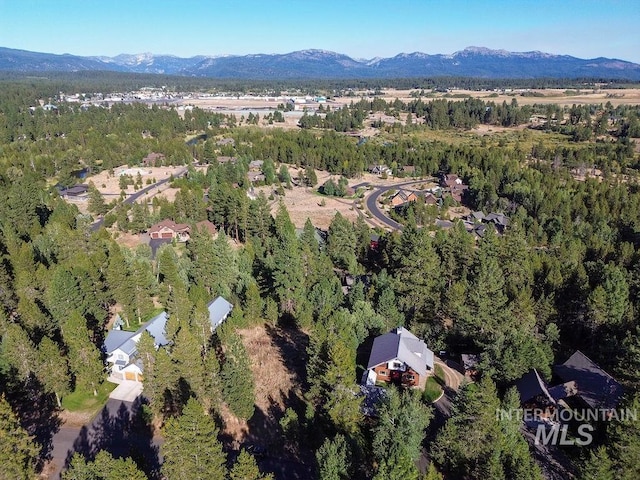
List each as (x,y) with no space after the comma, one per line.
(473,61)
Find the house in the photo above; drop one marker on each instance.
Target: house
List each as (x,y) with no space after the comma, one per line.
(219,310)
(78,192)
(400,198)
(223,159)
(431,199)
(374,241)
(534,395)
(499,220)
(380,170)
(449,180)
(399,357)
(207,227)
(121,348)
(256,177)
(457,191)
(256,165)
(169,229)
(153,159)
(470,365)
(593,387)
(226,141)
(408,170)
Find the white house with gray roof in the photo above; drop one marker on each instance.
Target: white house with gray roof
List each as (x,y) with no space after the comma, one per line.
(219,310)
(121,348)
(399,357)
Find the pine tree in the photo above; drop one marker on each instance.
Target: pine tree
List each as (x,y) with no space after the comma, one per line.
(103,467)
(402,415)
(52,369)
(333,459)
(598,466)
(237,380)
(246,468)
(341,243)
(18,452)
(97,204)
(191,449)
(84,358)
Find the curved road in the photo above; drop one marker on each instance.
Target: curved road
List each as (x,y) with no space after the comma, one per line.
(372,203)
(133,197)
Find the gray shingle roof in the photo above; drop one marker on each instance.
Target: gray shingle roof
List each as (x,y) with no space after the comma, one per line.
(123,340)
(595,387)
(403,345)
(532,386)
(219,308)
(157,329)
(115,339)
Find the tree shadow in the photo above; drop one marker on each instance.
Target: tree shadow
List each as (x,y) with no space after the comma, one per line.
(122,430)
(36,409)
(292,344)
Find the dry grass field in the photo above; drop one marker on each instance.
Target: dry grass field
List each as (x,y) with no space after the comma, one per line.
(306,202)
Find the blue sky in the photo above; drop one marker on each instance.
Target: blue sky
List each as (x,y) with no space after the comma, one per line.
(359,28)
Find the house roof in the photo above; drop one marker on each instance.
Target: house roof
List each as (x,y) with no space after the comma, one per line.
(470,361)
(115,339)
(78,189)
(170,224)
(595,387)
(563,390)
(218,308)
(400,343)
(157,329)
(498,219)
(531,386)
(206,226)
(127,341)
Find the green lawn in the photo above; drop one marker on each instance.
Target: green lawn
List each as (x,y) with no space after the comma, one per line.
(86,402)
(440,374)
(432,390)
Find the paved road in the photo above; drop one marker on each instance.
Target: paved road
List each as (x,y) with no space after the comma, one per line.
(117,429)
(372,203)
(453,380)
(95,226)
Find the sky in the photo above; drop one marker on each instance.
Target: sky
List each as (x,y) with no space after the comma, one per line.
(358,28)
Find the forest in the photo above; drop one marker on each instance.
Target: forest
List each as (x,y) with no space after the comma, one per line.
(565,275)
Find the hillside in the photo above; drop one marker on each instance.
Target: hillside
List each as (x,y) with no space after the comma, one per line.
(471,62)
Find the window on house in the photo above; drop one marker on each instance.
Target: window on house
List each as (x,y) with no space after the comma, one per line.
(382,373)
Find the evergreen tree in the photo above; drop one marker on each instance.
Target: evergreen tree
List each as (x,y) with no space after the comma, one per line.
(333,459)
(18,452)
(191,449)
(246,468)
(52,369)
(103,467)
(341,243)
(237,380)
(598,466)
(84,358)
(402,416)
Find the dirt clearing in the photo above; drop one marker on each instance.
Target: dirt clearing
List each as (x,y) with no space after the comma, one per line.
(278,367)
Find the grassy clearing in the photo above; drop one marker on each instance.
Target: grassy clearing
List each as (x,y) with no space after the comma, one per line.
(432,390)
(87,402)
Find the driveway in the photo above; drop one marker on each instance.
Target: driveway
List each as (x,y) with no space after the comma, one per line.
(117,428)
(372,204)
(127,391)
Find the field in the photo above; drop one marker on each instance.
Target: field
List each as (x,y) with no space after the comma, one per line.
(278,369)
(306,202)
(263,105)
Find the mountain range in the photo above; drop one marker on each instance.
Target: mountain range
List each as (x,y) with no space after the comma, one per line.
(321,64)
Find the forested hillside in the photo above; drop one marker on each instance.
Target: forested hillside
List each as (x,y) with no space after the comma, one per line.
(565,275)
